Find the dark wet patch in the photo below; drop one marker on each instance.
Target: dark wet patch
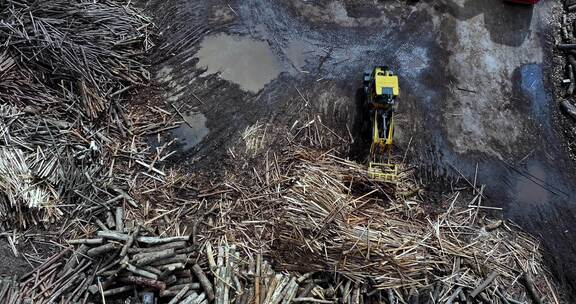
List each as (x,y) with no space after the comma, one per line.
(541,198)
(361,10)
(533,85)
(531,188)
(11,265)
(346,14)
(191,132)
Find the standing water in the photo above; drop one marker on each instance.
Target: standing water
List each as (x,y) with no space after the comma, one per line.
(247,62)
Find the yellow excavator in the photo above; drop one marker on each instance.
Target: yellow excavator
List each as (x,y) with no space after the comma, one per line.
(381,90)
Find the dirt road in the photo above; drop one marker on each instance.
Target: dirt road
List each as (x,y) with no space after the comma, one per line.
(474,97)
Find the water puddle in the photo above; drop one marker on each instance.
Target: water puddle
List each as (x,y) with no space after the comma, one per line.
(533,86)
(531,187)
(298,52)
(247,62)
(192,131)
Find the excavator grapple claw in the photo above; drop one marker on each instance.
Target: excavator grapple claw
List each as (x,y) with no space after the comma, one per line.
(387,173)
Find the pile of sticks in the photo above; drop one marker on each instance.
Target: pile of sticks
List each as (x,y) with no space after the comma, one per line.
(310,211)
(69,146)
(9,290)
(306,227)
(568,46)
(115,263)
(87,51)
(70,152)
(151,270)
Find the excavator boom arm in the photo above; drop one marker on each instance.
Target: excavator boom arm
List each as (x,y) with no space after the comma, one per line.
(381,167)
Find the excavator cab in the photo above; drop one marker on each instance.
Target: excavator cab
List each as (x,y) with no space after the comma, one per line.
(381,89)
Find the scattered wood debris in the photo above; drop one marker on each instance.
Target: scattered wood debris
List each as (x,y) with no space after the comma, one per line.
(307,227)
(304,226)
(309,211)
(173,271)
(68,145)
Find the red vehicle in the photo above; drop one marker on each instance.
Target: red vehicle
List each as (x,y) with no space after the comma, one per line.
(524,1)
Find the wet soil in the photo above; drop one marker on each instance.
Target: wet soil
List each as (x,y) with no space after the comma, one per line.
(11,265)
(475,99)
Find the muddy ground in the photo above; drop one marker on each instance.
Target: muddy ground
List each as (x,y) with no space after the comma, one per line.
(475,99)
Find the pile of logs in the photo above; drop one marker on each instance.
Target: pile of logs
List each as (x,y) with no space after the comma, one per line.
(69,150)
(97,55)
(315,212)
(68,144)
(568,46)
(163,270)
(117,263)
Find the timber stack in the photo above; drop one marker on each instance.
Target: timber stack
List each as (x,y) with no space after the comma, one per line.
(167,270)
(113,263)
(567,45)
(67,143)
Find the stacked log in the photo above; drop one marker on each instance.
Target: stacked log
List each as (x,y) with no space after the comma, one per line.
(567,46)
(112,264)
